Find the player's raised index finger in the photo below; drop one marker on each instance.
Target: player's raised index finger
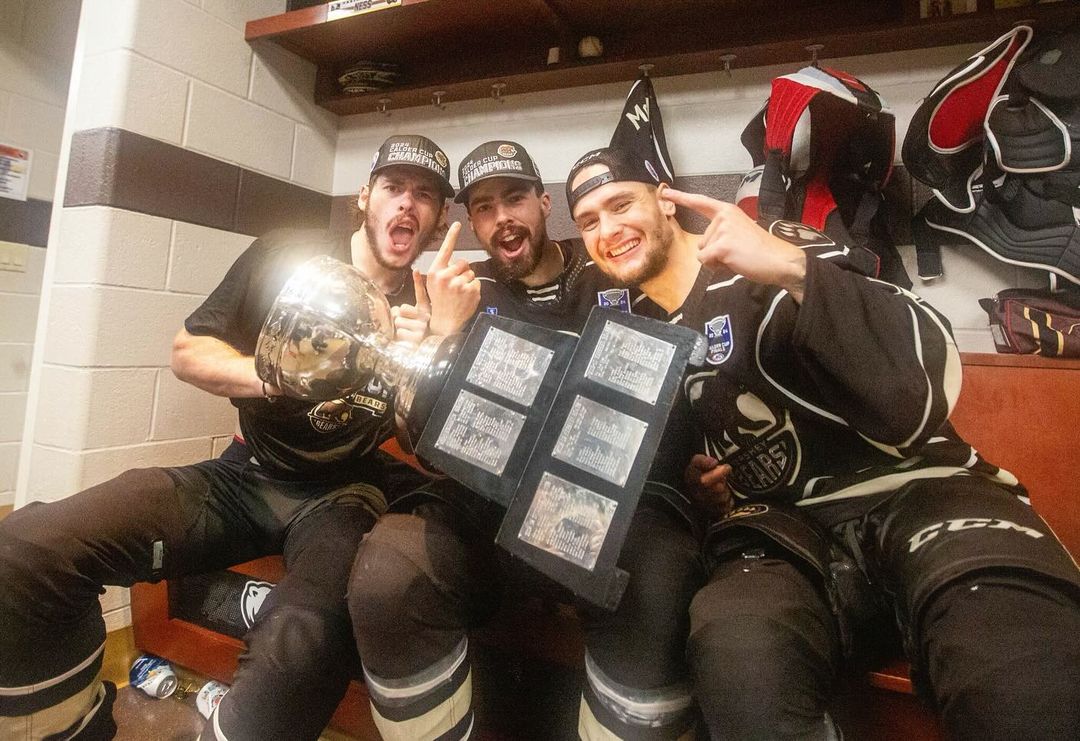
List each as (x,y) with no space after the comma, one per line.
(707,207)
(446,250)
(420,289)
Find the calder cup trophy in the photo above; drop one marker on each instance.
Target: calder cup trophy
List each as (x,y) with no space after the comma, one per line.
(329,333)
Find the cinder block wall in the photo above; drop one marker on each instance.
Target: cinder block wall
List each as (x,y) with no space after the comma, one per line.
(36,42)
(704,116)
(180,139)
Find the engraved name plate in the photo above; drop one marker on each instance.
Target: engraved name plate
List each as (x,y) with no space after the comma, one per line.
(630,361)
(481,432)
(568,520)
(600,440)
(510,366)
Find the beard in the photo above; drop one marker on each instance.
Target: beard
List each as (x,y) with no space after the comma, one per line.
(659,240)
(523,265)
(372,229)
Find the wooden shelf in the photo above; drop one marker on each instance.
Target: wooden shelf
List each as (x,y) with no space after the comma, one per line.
(463,47)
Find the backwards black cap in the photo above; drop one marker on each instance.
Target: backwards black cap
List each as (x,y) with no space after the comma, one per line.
(416,151)
(621,164)
(495,159)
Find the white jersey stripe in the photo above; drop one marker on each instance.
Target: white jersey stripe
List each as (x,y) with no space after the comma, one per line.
(28,689)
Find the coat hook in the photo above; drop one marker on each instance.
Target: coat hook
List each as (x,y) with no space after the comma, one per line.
(645,68)
(384,106)
(436,99)
(814,49)
(497,90)
(727,59)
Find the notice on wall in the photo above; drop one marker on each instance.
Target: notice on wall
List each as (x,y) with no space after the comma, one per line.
(14,171)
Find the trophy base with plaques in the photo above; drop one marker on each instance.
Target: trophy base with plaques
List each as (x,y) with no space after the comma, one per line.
(563,433)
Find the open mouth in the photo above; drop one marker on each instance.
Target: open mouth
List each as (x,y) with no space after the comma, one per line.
(623,248)
(512,243)
(401,236)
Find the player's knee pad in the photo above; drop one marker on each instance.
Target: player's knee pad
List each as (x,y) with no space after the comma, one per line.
(763,649)
(937,532)
(613,710)
(296,668)
(435,702)
(765,528)
(998,657)
(85,716)
(643,642)
(37,671)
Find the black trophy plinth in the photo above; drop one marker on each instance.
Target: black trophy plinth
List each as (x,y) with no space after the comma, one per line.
(563,433)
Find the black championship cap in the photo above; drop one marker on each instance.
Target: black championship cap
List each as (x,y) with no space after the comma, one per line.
(622,164)
(496,159)
(418,151)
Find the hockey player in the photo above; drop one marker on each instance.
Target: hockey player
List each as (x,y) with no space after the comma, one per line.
(306,483)
(824,408)
(423,578)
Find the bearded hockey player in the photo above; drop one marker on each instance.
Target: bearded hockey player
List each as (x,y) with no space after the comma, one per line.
(824,406)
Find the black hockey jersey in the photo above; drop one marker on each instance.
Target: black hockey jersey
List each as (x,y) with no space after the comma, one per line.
(562,305)
(845,395)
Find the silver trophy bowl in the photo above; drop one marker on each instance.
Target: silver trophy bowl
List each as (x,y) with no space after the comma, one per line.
(330,333)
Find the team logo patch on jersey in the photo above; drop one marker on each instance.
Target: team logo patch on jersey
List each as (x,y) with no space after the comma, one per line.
(758,441)
(493,310)
(800,235)
(252,598)
(331,416)
(614,298)
(721,341)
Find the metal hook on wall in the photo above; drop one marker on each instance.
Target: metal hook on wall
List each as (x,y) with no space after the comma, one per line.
(497,90)
(436,99)
(727,59)
(814,49)
(384,106)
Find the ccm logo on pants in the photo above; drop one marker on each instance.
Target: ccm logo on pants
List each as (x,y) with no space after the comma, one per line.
(924,536)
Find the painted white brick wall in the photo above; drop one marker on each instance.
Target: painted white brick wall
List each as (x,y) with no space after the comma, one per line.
(121,284)
(108,246)
(201,256)
(704,116)
(36,41)
(56,473)
(14,366)
(100,326)
(120,88)
(228,127)
(18,312)
(182,72)
(114,407)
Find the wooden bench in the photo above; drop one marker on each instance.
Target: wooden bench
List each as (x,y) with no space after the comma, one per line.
(1021,412)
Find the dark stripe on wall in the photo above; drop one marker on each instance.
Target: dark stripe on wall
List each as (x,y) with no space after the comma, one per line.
(121,169)
(899,196)
(25,222)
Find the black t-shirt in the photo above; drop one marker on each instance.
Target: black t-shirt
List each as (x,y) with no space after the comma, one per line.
(295,439)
